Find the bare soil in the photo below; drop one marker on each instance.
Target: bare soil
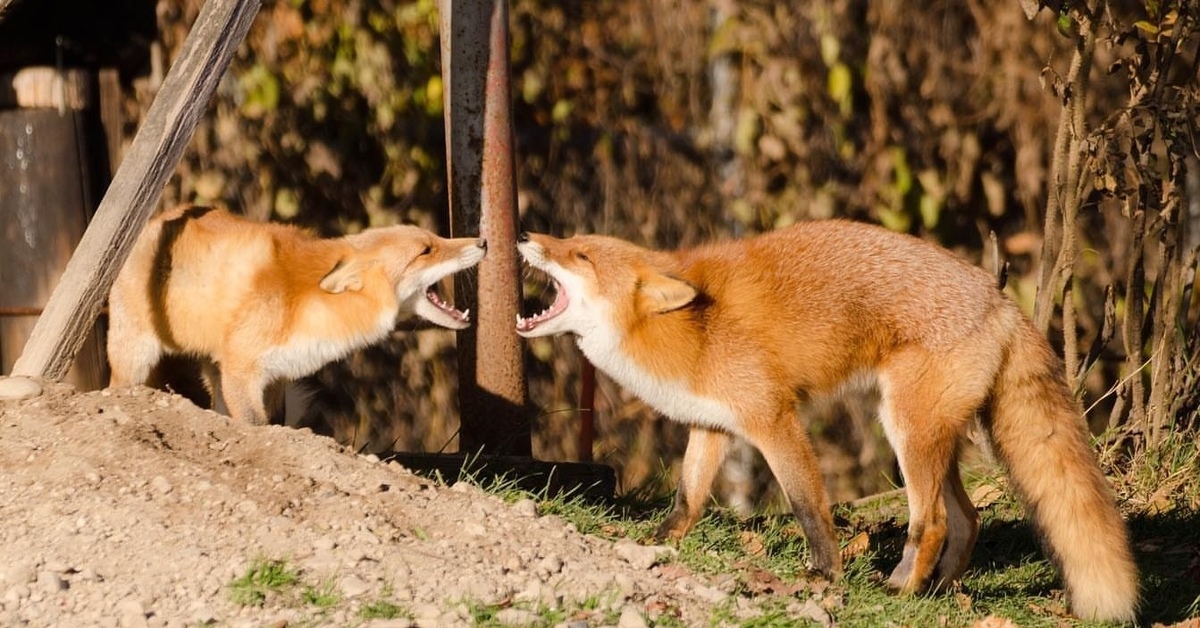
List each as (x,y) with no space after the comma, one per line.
(133,507)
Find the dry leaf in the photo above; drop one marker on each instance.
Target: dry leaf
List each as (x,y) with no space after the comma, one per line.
(994,621)
(985,495)
(856,547)
(752,543)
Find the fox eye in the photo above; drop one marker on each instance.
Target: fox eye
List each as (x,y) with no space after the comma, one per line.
(581,256)
(427,250)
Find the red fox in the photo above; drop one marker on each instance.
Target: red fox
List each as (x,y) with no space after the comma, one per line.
(270,302)
(729,337)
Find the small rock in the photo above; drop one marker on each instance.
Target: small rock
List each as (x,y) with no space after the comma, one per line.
(631,618)
(526,507)
(324,543)
(531,593)
(132,614)
(161,485)
(426,612)
(15,594)
(710,594)
(642,556)
(625,585)
(87,574)
(56,566)
(811,610)
(18,388)
(50,582)
(464,487)
(353,586)
(20,574)
(550,565)
(517,617)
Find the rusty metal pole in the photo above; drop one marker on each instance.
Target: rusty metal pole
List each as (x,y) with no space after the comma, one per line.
(493,404)
(587,408)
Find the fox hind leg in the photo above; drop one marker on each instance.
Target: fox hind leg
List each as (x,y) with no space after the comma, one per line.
(702,460)
(924,410)
(924,467)
(962,522)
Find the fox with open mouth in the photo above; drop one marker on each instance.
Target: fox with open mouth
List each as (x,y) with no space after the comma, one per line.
(268,302)
(729,337)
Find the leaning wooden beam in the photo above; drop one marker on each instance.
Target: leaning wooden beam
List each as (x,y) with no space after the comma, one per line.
(136,188)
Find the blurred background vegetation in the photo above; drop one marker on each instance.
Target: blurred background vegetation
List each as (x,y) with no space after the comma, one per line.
(670,122)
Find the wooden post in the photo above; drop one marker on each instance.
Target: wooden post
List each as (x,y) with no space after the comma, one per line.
(493,406)
(136,187)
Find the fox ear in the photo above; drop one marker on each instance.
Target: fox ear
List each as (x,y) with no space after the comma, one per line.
(342,277)
(663,293)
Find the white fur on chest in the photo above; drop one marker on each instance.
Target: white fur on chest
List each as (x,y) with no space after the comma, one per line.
(672,398)
(303,355)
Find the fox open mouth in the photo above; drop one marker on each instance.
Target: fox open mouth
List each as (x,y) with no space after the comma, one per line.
(462,316)
(557,307)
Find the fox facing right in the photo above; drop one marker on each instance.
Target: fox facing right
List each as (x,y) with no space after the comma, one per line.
(728,337)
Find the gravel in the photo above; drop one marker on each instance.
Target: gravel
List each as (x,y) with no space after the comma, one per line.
(132,507)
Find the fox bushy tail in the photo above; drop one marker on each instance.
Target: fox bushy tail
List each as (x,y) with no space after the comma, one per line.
(1039,436)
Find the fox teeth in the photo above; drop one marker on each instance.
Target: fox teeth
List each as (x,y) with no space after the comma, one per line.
(437,300)
(553,310)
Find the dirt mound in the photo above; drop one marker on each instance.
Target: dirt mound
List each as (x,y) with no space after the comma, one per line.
(132,507)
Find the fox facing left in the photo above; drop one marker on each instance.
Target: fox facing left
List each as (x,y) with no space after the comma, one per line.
(268,303)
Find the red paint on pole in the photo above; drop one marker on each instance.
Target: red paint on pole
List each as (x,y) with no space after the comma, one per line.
(587,408)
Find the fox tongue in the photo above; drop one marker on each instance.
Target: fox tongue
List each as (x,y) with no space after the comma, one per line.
(558,307)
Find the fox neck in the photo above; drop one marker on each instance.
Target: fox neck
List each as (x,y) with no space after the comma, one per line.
(657,362)
(329,327)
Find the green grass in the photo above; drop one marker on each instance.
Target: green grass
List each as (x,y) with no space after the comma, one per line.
(762,558)
(262,579)
(383,609)
(323,596)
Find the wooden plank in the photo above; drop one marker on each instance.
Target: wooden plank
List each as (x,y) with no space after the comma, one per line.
(111,118)
(136,187)
(48,195)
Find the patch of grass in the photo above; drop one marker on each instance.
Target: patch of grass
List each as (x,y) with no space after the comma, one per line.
(323,596)
(383,609)
(761,559)
(262,578)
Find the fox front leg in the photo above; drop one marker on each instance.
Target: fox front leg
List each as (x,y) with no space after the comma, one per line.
(242,390)
(702,460)
(784,443)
